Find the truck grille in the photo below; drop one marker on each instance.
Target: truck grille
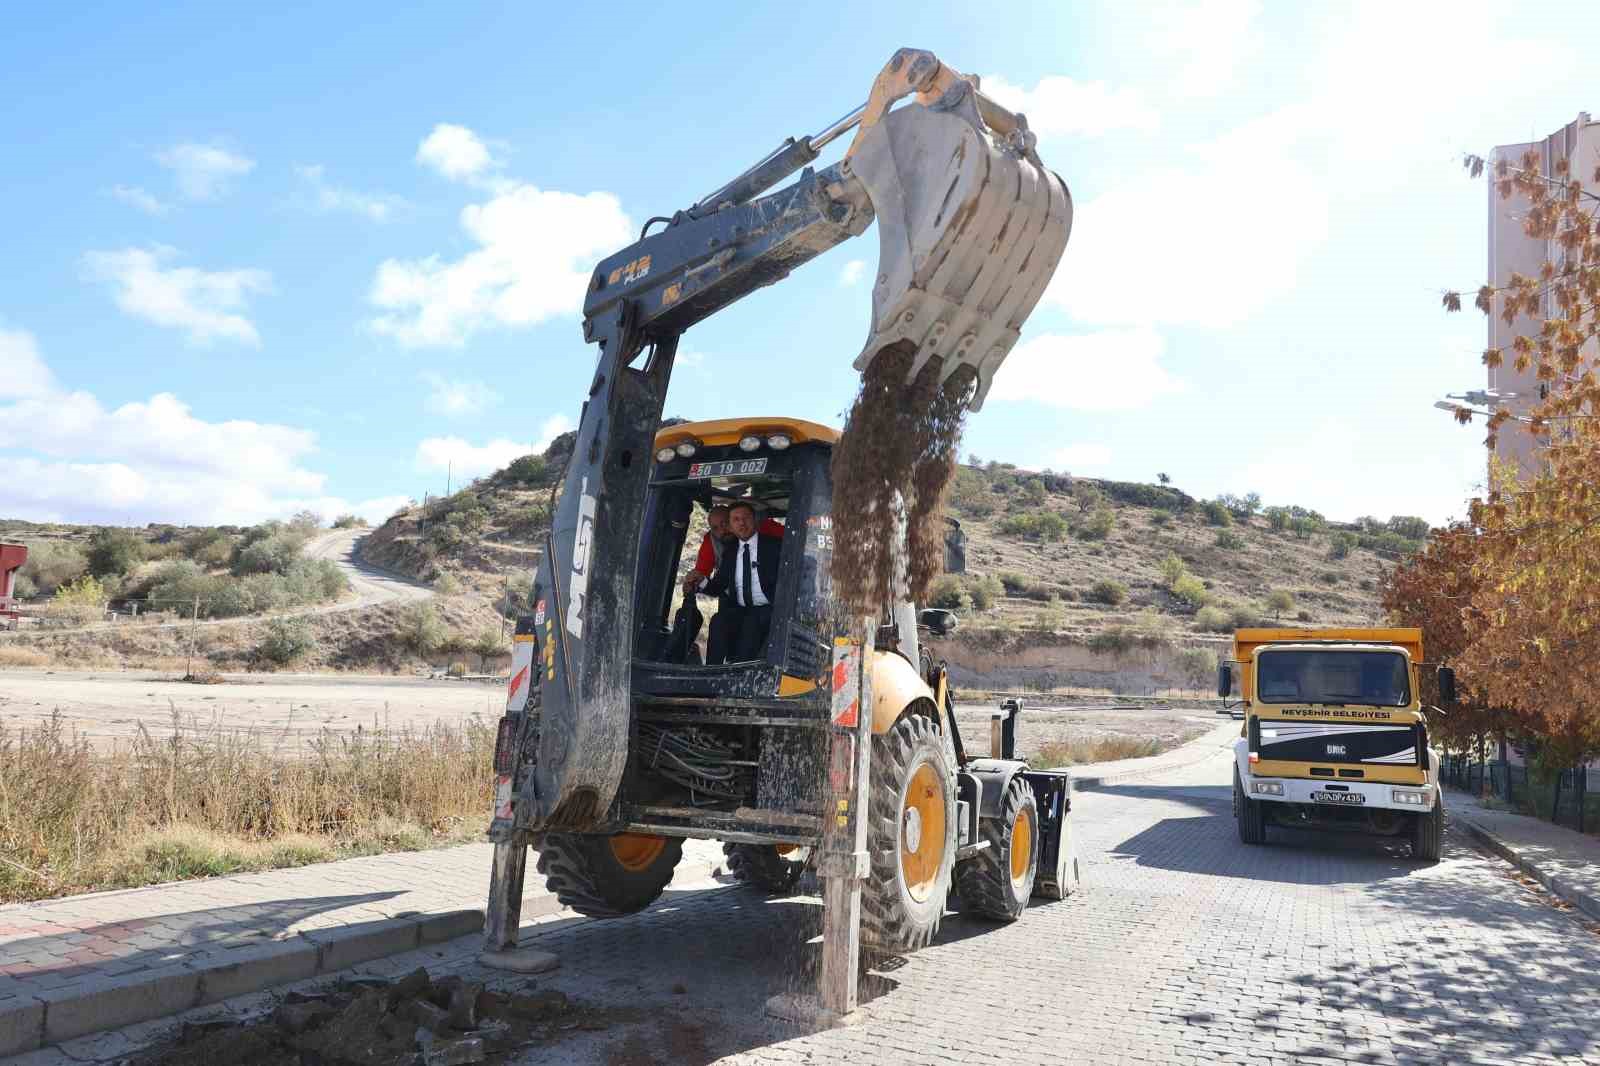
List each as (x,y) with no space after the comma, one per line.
(1338,742)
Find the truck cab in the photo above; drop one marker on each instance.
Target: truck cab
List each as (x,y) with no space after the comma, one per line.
(1334,735)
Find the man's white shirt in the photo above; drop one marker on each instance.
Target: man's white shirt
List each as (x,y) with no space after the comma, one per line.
(758,597)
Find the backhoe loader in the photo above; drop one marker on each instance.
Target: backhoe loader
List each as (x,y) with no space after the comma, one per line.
(617,743)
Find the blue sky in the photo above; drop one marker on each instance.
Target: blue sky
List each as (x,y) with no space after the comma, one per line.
(314,255)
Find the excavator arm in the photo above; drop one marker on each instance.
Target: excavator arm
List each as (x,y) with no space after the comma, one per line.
(971,227)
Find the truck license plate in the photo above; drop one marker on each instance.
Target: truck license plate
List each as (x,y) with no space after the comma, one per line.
(730,468)
(1337,797)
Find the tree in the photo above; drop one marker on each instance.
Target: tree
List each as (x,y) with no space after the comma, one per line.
(114,552)
(1165,479)
(1086,496)
(486,644)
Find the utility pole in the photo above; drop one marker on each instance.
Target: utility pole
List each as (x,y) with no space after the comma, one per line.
(194,623)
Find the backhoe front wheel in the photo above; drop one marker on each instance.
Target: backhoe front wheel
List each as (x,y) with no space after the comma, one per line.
(911,836)
(774,868)
(608,876)
(997,881)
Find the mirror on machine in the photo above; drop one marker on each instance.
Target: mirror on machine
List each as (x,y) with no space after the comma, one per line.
(1224,679)
(940,622)
(1447,685)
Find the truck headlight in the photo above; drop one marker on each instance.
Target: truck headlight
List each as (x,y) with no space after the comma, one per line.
(778,441)
(1406,795)
(1267,788)
(665,455)
(749,444)
(686,449)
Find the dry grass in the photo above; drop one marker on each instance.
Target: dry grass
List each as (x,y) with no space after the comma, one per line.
(206,801)
(1084,750)
(12,656)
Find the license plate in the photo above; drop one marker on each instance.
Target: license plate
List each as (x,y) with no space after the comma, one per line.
(728,468)
(1337,797)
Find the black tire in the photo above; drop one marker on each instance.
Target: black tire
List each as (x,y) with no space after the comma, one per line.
(761,866)
(1251,818)
(896,917)
(987,881)
(1427,833)
(586,873)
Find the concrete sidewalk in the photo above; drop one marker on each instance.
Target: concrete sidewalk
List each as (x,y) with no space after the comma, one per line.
(1563,860)
(92,962)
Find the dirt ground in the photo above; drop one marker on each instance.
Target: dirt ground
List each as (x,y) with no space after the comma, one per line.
(1039,726)
(109,706)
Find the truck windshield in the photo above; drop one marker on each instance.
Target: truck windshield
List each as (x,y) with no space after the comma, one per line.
(1377,678)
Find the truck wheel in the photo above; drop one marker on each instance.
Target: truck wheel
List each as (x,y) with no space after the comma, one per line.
(997,881)
(1427,833)
(1251,818)
(911,836)
(608,876)
(769,867)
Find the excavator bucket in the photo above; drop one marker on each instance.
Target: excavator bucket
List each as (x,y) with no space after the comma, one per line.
(970,225)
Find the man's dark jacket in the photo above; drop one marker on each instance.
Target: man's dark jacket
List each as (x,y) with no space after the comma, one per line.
(769,552)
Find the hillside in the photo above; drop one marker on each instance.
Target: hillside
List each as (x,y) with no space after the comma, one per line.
(1070,581)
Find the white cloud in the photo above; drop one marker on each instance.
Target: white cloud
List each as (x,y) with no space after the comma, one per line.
(204,304)
(1060,106)
(1080,457)
(25,376)
(1111,370)
(69,457)
(1201,44)
(447,397)
(436,455)
(535,250)
(851,274)
(455,152)
(134,196)
(379,207)
(204,171)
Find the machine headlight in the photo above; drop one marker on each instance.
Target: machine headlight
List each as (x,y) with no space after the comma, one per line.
(686,449)
(749,444)
(779,441)
(665,455)
(1405,795)
(1267,788)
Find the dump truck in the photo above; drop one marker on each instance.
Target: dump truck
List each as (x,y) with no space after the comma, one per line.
(834,745)
(1334,735)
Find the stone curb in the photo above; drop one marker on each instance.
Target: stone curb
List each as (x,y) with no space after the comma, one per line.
(29,1022)
(1555,883)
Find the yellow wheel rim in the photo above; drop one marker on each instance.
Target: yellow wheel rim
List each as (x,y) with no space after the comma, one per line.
(1021,847)
(636,851)
(922,829)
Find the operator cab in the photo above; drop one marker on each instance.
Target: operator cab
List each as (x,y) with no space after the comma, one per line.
(781,467)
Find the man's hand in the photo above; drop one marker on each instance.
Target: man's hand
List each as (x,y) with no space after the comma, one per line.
(690,581)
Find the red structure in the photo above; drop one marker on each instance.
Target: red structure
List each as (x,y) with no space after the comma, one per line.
(12,556)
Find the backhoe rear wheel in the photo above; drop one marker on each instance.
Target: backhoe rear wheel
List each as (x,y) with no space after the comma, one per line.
(608,876)
(768,867)
(997,881)
(911,836)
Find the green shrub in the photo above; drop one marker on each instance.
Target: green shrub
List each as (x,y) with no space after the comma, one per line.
(283,640)
(1304,616)
(1099,525)
(1035,525)
(486,644)
(1246,616)
(1278,518)
(946,592)
(1341,543)
(349,521)
(1172,570)
(1014,583)
(447,585)
(211,548)
(1408,526)
(984,592)
(529,470)
(1034,490)
(1216,513)
(114,552)
(421,630)
(84,592)
(1198,666)
(1108,592)
(1241,506)
(272,554)
(1161,518)
(52,564)
(1228,540)
(1190,590)
(23,587)
(530,519)
(1213,620)
(1116,640)
(1280,601)
(1330,577)
(1140,495)
(1086,496)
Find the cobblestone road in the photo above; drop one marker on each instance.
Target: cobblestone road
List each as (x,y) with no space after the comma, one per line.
(1183,947)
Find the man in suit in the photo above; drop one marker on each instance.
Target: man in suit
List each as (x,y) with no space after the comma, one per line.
(746,580)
